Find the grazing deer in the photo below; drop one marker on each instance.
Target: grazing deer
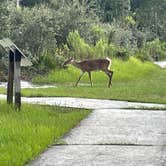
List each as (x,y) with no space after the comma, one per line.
(92,65)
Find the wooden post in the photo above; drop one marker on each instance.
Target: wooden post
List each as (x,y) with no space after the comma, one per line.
(17,74)
(10,78)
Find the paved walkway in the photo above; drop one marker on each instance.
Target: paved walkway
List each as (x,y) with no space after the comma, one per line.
(162,64)
(86,103)
(112,137)
(109,136)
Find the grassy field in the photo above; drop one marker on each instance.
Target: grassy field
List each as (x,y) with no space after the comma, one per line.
(132,80)
(26,133)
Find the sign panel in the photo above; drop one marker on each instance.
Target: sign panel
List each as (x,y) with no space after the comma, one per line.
(7,44)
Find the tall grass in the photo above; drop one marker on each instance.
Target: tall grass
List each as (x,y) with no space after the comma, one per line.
(24,134)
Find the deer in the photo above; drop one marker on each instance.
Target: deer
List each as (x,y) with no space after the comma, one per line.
(92,65)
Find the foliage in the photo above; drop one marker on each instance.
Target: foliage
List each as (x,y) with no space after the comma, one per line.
(80,49)
(150,16)
(46,26)
(114,10)
(71,17)
(32,30)
(27,133)
(78,45)
(154,50)
(3,20)
(31,3)
(41,28)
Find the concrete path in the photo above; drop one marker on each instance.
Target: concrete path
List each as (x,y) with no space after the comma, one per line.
(86,103)
(112,137)
(162,64)
(109,136)
(26,84)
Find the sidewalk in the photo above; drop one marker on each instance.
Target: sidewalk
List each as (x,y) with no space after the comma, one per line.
(112,137)
(86,103)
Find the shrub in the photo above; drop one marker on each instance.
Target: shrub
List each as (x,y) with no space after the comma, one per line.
(78,46)
(154,50)
(48,60)
(81,50)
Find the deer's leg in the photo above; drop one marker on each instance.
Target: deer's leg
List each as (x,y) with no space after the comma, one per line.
(79,78)
(90,78)
(110,82)
(110,74)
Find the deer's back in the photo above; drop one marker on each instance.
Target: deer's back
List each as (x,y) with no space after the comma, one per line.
(92,65)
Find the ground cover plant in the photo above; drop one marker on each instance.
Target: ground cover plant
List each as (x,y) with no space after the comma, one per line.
(133,80)
(26,133)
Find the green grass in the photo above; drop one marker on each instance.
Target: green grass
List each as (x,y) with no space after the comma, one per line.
(26,133)
(133,80)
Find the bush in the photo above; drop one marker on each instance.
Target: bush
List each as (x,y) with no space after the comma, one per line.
(154,50)
(162,51)
(32,29)
(143,56)
(48,60)
(78,46)
(80,49)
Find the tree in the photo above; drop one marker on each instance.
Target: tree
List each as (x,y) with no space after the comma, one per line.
(32,29)
(151,16)
(3,20)
(31,3)
(114,9)
(73,16)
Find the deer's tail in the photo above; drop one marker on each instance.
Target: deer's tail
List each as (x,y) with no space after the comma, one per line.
(110,62)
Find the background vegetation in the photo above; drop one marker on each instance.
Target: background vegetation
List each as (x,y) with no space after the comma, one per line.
(49,31)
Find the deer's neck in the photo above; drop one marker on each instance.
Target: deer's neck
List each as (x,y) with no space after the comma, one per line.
(76,64)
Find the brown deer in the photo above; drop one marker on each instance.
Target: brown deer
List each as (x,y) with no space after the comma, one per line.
(92,65)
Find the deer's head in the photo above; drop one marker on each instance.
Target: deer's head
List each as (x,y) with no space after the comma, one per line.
(69,61)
